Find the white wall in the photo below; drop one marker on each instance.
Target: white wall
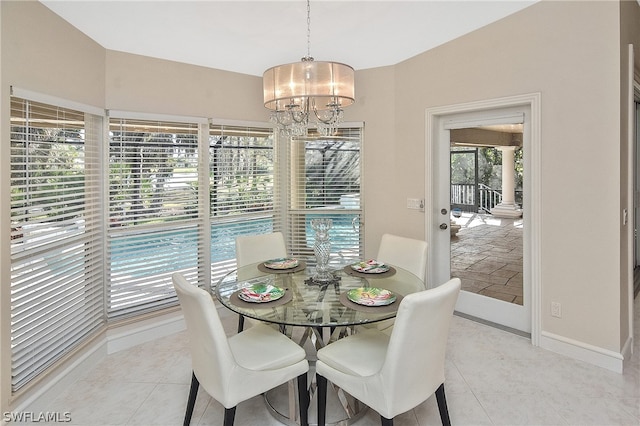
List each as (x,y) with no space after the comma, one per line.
(139,83)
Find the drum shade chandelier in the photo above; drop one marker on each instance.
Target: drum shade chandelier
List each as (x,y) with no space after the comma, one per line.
(293,92)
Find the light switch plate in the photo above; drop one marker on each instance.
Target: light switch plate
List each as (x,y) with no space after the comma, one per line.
(415,204)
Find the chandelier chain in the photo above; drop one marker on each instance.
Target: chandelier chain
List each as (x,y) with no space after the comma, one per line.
(308,28)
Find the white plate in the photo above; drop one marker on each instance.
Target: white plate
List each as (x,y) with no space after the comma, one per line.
(371,296)
(282,263)
(370,267)
(261,293)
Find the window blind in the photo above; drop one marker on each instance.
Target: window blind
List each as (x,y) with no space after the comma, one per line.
(325,181)
(242,189)
(154,228)
(56,234)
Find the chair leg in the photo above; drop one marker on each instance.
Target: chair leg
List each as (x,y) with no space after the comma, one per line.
(442,406)
(303,399)
(386,422)
(322,399)
(240,323)
(229,416)
(191,402)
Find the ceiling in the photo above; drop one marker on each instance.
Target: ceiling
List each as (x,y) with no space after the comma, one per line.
(251,36)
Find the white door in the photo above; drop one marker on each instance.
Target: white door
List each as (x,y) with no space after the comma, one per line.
(486,308)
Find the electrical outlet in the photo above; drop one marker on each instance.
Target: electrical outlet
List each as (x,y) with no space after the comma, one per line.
(556,310)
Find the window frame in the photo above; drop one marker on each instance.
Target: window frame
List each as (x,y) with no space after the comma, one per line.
(57,273)
(300,237)
(161,242)
(253,220)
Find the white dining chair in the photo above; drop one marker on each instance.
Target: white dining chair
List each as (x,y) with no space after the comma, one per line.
(406,253)
(394,373)
(258,248)
(240,367)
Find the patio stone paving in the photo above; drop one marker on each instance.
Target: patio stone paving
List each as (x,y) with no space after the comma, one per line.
(486,254)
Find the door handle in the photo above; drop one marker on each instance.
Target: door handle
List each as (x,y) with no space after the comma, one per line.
(443,226)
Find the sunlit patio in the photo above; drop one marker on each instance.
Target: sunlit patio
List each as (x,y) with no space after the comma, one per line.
(486,254)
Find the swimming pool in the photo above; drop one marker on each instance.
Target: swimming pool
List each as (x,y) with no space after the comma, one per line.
(161,251)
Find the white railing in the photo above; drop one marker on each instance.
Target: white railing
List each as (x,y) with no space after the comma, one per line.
(488,198)
(463,195)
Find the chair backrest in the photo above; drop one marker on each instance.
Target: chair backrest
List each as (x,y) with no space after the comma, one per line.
(414,365)
(211,355)
(255,248)
(406,253)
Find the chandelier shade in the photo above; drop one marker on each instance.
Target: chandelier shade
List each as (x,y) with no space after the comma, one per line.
(323,85)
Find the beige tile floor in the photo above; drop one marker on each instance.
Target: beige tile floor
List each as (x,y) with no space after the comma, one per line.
(493,377)
(486,254)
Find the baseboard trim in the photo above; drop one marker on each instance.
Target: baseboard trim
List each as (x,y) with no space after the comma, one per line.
(582,351)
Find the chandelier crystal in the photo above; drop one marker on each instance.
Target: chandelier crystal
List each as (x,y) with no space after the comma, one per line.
(308,93)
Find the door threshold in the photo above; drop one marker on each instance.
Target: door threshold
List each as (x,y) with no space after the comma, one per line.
(493,324)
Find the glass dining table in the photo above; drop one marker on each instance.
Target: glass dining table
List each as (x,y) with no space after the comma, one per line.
(314,313)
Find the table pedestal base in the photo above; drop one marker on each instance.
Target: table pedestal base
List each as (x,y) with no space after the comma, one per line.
(342,408)
(282,402)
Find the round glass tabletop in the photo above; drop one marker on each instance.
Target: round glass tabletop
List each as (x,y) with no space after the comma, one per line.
(308,303)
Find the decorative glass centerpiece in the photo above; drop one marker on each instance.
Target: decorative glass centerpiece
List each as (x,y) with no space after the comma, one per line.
(322,249)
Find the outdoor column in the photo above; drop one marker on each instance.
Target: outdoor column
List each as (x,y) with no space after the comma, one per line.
(508,207)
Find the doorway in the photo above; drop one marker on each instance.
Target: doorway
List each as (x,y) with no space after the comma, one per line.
(519,111)
(485,234)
